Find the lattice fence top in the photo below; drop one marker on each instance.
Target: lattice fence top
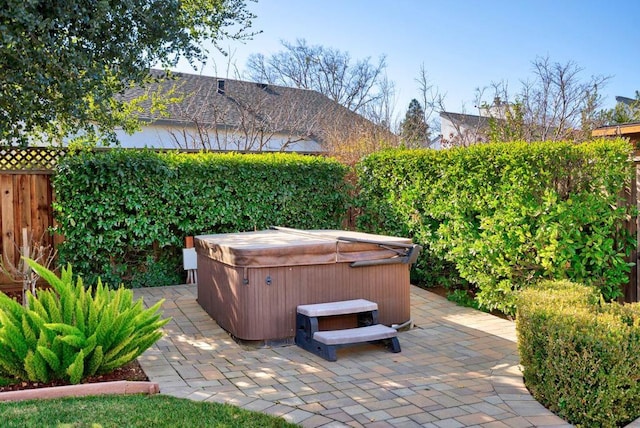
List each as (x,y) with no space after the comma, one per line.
(29,158)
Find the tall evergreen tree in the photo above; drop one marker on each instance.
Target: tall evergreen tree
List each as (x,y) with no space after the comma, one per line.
(414,130)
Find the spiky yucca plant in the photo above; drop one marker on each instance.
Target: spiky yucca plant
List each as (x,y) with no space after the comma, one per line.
(69,332)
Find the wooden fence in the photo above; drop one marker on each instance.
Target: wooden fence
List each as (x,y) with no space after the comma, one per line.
(26,198)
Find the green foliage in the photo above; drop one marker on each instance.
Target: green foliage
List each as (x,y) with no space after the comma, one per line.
(414,129)
(125,214)
(60,73)
(580,356)
(626,111)
(462,297)
(395,193)
(511,127)
(68,332)
(506,214)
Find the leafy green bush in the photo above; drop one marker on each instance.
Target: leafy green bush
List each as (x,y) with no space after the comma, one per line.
(506,215)
(124,214)
(70,333)
(462,297)
(397,190)
(580,356)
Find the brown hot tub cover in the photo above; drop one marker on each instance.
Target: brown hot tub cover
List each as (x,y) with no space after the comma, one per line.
(272,248)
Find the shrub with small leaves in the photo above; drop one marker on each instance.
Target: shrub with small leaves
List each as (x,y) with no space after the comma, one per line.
(580,355)
(69,332)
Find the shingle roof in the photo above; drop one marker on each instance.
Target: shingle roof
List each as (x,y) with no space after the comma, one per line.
(467,121)
(626,100)
(289,110)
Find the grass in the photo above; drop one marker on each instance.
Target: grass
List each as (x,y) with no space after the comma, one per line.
(131,411)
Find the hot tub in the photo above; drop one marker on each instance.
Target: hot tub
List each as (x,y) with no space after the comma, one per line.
(252,282)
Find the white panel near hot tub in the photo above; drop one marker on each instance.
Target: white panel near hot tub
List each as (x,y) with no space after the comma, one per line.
(190,264)
(189,258)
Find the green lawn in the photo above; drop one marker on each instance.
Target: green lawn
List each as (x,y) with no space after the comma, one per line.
(130,411)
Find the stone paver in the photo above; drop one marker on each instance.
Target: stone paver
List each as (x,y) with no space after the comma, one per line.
(458,367)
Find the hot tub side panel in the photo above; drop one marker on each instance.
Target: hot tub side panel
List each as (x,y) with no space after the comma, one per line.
(264,314)
(259,311)
(251,311)
(387,285)
(215,293)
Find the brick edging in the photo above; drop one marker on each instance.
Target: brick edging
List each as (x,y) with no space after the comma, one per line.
(81,390)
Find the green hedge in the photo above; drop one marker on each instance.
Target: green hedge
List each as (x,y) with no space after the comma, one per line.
(124,214)
(504,215)
(580,357)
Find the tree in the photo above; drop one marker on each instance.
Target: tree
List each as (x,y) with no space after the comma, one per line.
(358,86)
(414,130)
(509,126)
(555,104)
(430,98)
(61,63)
(626,110)
(382,111)
(558,104)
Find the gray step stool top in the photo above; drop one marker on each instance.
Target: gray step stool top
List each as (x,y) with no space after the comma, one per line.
(337,308)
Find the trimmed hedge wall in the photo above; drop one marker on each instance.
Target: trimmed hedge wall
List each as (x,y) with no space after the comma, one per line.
(124,214)
(505,215)
(580,356)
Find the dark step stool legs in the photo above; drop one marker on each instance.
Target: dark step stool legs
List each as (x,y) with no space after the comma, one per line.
(307,326)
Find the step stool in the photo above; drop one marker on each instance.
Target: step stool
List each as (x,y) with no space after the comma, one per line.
(325,343)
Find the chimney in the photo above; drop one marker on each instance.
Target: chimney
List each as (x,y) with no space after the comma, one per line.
(221,86)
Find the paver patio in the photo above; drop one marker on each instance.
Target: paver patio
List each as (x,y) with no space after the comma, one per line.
(458,368)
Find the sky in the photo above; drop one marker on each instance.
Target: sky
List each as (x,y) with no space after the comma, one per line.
(463,44)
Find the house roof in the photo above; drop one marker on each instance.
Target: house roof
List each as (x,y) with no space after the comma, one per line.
(229,103)
(466,120)
(626,100)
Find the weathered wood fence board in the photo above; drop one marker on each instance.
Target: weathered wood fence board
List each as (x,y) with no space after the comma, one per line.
(26,201)
(26,198)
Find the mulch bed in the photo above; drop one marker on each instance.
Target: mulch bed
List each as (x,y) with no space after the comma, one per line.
(131,372)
